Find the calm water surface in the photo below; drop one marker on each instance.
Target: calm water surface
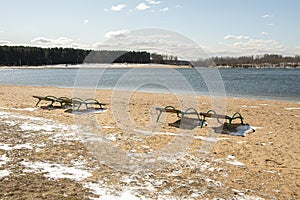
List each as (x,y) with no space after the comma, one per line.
(282,84)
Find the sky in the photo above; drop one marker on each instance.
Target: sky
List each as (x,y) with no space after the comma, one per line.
(219,27)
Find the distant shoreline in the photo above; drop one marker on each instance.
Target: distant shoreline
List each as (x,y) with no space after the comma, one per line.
(125,66)
(115,66)
(258,67)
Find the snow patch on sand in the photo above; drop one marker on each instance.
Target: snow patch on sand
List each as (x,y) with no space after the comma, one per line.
(8,147)
(25,109)
(4,159)
(232,161)
(56,171)
(4,173)
(292,108)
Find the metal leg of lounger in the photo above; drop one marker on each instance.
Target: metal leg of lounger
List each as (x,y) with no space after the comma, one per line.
(164,109)
(38,102)
(203,119)
(202,122)
(160,112)
(234,117)
(194,112)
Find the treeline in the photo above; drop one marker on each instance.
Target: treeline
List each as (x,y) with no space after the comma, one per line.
(267,60)
(35,56)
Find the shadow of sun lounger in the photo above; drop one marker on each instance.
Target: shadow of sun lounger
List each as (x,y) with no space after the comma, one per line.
(187,123)
(235,129)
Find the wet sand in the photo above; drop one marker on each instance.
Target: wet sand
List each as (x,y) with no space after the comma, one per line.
(263,164)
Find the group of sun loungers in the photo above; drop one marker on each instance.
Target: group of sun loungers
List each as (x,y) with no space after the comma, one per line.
(79,106)
(199,119)
(72,105)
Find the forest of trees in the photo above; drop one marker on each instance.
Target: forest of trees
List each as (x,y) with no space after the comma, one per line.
(267,60)
(35,56)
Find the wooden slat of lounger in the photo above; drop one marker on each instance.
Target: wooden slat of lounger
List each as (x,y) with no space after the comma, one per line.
(64,101)
(168,110)
(96,103)
(44,98)
(87,102)
(211,115)
(93,102)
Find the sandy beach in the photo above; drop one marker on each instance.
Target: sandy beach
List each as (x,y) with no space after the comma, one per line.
(57,155)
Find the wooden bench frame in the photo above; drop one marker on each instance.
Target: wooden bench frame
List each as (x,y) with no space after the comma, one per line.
(88,102)
(213,114)
(168,109)
(74,102)
(200,116)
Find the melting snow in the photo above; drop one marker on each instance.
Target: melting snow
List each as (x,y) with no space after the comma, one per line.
(156,133)
(98,189)
(231,160)
(124,196)
(56,171)
(76,169)
(7,147)
(208,139)
(4,160)
(292,108)
(4,173)
(25,109)
(244,106)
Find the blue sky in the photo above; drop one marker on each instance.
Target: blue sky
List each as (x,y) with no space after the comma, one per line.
(221,27)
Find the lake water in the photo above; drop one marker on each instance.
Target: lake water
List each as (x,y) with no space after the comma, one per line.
(282,84)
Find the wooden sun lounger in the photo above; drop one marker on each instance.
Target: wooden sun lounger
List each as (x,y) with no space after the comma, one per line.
(64,101)
(95,102)
(168,109)
(213,114)
(75,103)
(50,98)
(200,116)
(89,105)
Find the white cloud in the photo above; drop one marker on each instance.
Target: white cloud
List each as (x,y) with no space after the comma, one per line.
(1,31)
(270,24)
(267,16)
(154,40)
(153,2)
(245,46)
(258,46)
(85,21)
(4,42)
(235,37)
(118,7)
(178,6)
(142,6)
(116,34)
(41,40)
(252,47)
(59,42)
(164,9)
